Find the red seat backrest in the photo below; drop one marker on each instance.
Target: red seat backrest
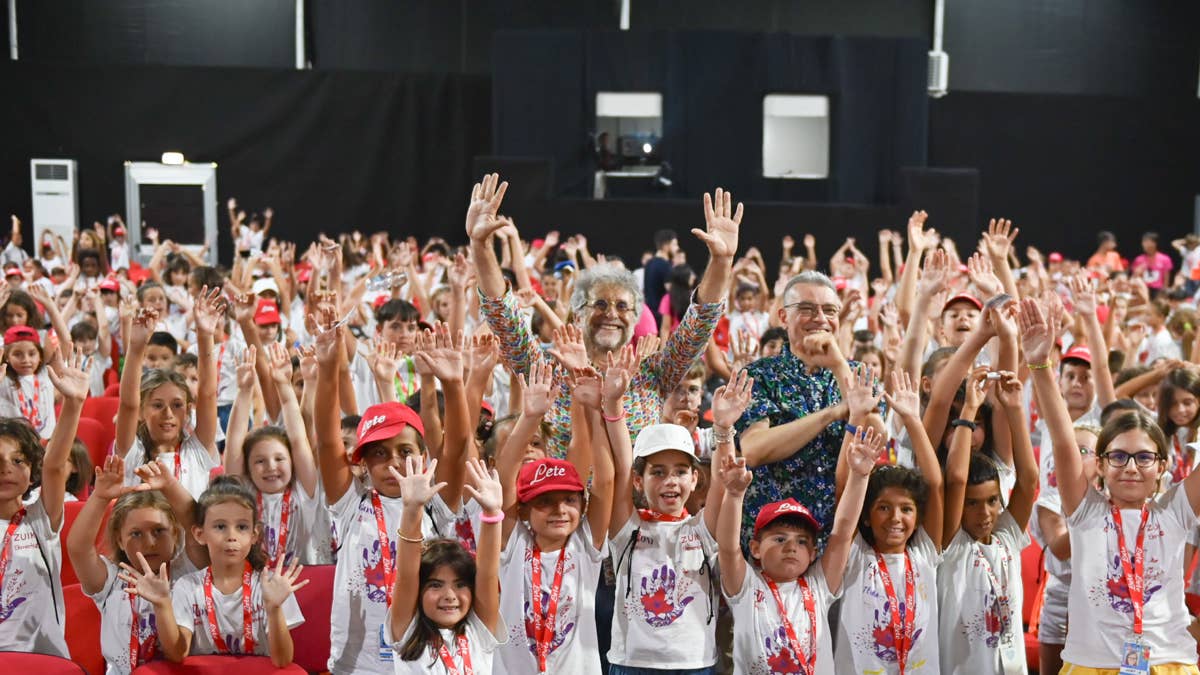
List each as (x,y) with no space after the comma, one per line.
(83,629)
(316,602)
(70,513)
(103,409)
(113,389)
(216,665)
(1031,577)
(97,437)
(20,662)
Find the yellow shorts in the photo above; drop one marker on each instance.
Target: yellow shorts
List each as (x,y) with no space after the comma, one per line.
(1164,669)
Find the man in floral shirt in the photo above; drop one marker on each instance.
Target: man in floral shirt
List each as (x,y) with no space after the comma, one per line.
(607,301)
(792,431)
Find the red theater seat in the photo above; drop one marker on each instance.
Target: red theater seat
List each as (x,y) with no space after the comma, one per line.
(83,629)
(113,389)
(18,662)
(103,409)
(70,513)
(217,665)
(97,437)
(1033,576)
(316,602)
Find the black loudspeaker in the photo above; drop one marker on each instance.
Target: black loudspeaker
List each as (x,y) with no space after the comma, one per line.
(529,178)
(950,196)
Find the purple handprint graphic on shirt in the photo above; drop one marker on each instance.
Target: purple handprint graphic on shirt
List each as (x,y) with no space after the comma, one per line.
(373,571)
(884,638)
(1118,589)
(660,605)
(561,631)
(780,657)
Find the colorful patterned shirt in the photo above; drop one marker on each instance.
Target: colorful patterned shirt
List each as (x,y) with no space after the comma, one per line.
(660,373)
(784,391)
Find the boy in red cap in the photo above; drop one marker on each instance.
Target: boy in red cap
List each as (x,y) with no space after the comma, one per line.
(367,512)
(959,315)
(780,605)
(266,318)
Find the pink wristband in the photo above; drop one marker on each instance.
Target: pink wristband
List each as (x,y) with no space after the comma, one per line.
(614,418)
(498,518)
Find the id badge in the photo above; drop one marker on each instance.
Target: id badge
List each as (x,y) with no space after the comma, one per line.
(385,649)
(1135,658)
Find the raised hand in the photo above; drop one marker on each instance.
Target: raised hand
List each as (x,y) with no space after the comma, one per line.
(904,398)
(308,364)
(484,486)
(280,363)
(647,345)
(1002,320)
(277,584)
(525,297)
(144,322)
(245,369)
(383,359)
(110,480)
(569,349)
(70,377)
(997,241)
(484,354)
(619,373)
(731,399)
(888,315)
(327,335)
(920,239)
(734,475)
(744,347)
(155,476)
(208,310)
(416,485)
(1036,336)
(934,275)
(1009,389)
(1083,294)
(539,389)
(459,273)
(978,386)
(585,386)
(445,357)
(152,587)
(722,222)
(486,197)
(979,269)
(863,392)
(866,445)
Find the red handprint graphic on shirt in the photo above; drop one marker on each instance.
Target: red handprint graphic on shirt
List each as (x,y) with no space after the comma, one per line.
(660,605)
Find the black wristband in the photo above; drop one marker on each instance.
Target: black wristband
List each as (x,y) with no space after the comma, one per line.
(964,423)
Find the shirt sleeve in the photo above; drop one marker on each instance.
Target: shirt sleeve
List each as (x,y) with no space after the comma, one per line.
(762,402)
(686,344)
(183,597)
(517,345)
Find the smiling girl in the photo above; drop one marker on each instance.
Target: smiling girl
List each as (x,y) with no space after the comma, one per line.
(27,392)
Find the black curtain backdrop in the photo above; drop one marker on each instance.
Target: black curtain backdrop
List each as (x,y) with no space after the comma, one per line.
(713,83)
(329,151)
(1065,167)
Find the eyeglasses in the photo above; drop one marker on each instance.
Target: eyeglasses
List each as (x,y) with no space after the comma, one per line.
(806,311)
(602,306)
(1144,460)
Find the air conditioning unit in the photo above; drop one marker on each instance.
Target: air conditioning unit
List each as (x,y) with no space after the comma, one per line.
(939,73)
(55,198)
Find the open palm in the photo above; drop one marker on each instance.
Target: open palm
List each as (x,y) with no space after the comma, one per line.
(723,224)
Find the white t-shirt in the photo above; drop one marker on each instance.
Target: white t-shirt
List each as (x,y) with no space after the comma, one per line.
(302,520)
(226,356)
(974,635)
(194,465)
(667,592)
(358,643)
(118,255)
(116,618)
(366,392)
(754,323)
(760,642)
(573,648)
(864,641)
(187,600)
(1099,607)
(31,396)
(31,599)
(481,645)
(97,364)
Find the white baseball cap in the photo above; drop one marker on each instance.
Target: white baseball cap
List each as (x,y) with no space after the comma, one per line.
(659,437)
(265,284)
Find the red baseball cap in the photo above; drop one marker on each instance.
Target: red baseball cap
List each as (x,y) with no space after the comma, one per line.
(788,507)
(1055,257)
(963,297)
(488,407)
(380,301)
(21,334)
(267,313)
(1078,353)
(547,475)
(118,231)
(383,421)
(13,272)
(110,284)
(303,273)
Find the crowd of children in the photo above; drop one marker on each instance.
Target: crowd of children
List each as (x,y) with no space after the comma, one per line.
(531,461)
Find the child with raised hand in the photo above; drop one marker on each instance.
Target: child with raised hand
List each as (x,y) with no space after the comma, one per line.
(236,605)
(445,617)
(279,463)
(367,511)
(979,580)
(557,540)
(889,599)
(781,603)
(27,392)
(152,420)
(143,523)
(526,441)
(665,558)
(1126,603)
(31,599)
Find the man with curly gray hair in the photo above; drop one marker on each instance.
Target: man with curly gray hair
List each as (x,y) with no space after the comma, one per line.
(606,304)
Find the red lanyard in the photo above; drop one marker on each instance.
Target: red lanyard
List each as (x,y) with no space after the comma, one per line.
(808,664)
(247,613)
(280,546)
(1135,571)
(385,546)
(464,653)
(6,546)
(543,625)
(902,629)
(179,461)
(29,412)
(1182,466)
(135,645)
(656,517)
(999,585)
